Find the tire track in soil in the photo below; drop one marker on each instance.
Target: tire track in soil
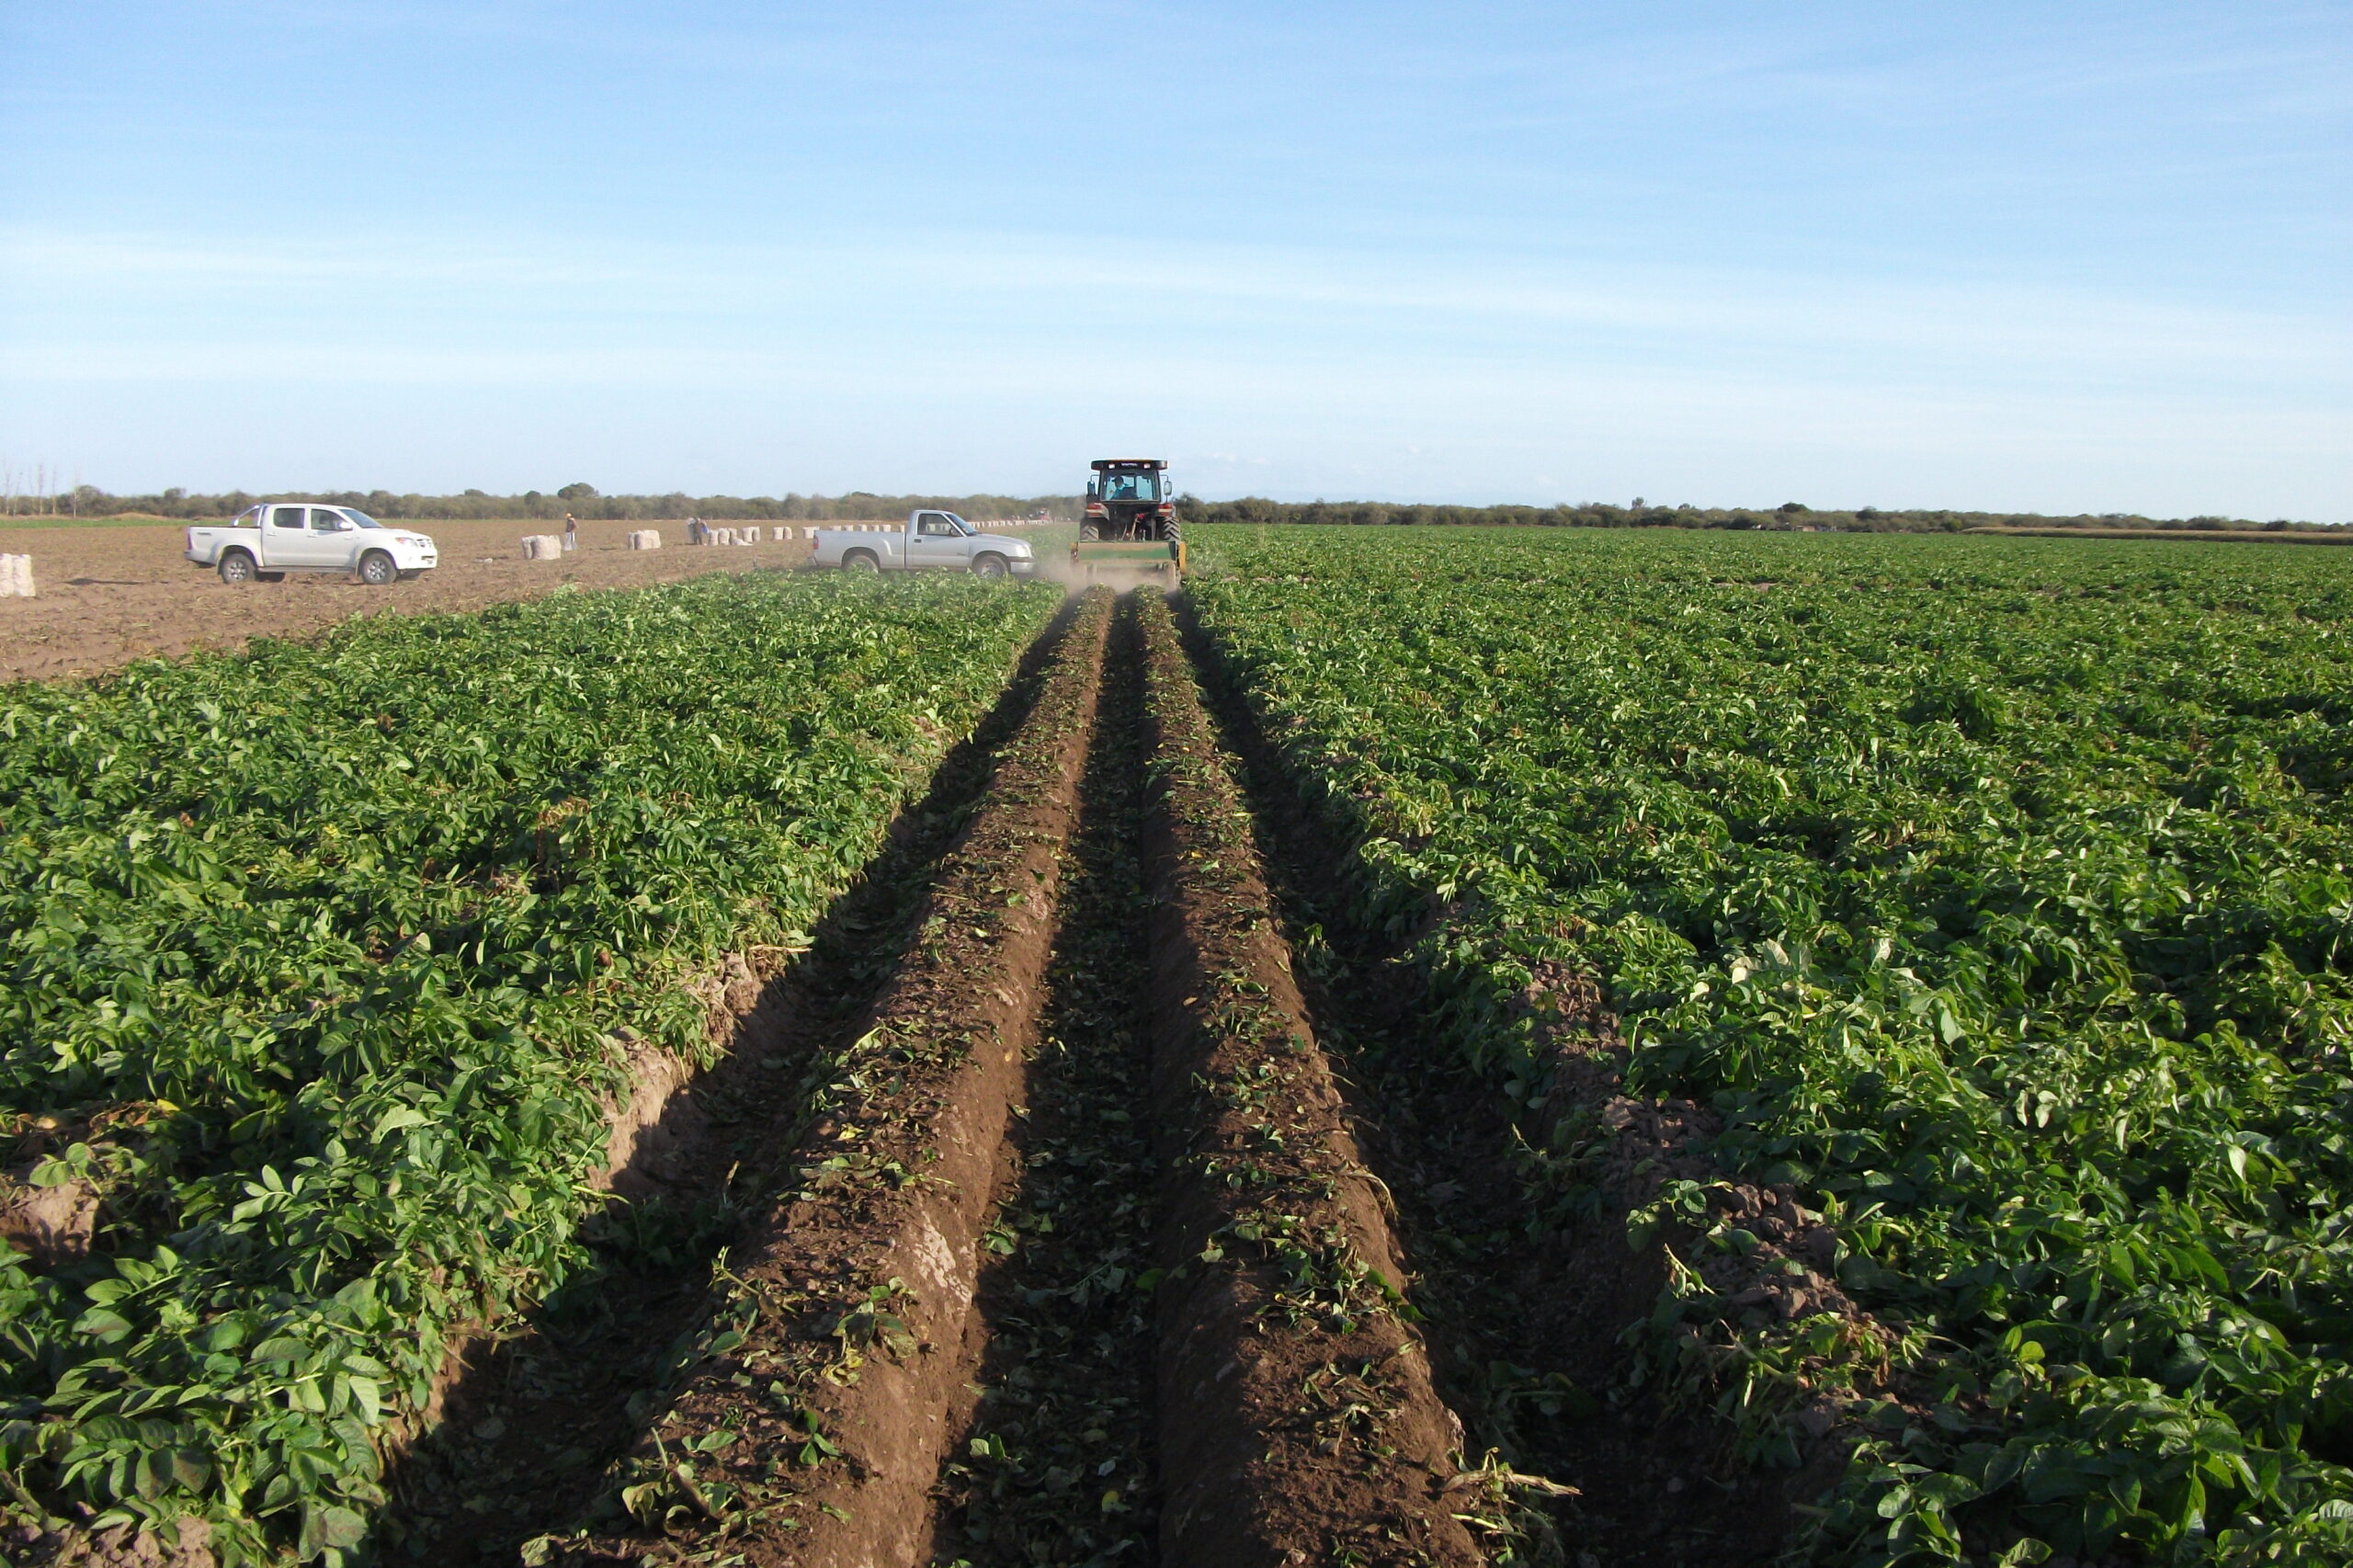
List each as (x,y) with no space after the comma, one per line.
(536,1416)
(1526,1308)
(1057,1465)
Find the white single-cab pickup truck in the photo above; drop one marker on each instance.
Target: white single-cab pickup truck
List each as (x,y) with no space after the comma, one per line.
(939,540)
(267,542)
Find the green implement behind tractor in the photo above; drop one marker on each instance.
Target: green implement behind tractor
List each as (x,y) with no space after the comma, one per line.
(1131,522)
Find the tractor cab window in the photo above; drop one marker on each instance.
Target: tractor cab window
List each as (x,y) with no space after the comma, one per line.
(1142,486)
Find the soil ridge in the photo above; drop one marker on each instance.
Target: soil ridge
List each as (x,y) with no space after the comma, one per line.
(1057,1462)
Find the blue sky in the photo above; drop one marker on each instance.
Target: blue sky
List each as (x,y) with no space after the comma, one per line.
(2027,256)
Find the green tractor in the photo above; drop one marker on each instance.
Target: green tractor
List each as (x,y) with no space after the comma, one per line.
(1130,521)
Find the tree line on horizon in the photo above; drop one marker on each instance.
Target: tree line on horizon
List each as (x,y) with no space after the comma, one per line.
(586,502)
(583,501)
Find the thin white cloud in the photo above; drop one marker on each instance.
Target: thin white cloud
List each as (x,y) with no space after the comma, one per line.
(84,281)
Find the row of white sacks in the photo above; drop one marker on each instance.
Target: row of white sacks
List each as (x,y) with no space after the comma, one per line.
(548,547)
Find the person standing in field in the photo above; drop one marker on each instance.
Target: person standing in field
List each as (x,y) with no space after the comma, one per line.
(571,532)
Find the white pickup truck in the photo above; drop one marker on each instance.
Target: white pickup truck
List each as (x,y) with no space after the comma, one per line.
(267,542)
(940,540)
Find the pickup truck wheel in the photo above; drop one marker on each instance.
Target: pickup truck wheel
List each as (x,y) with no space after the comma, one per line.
(376,569)
(237,568)
(991,565)
(861,561)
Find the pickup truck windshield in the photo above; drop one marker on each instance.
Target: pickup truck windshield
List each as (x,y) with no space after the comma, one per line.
(1131,487)
(362,518)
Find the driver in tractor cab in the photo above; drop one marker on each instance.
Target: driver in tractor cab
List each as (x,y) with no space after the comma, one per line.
(1130,498)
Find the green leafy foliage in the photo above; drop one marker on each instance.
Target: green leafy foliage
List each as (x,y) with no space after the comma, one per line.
(1993,893)
(358,928)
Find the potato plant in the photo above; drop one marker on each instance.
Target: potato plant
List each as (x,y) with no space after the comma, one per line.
(1994,895)
(319,963)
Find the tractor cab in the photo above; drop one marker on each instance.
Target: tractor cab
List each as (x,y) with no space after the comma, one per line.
(1130,520)
(1128,498)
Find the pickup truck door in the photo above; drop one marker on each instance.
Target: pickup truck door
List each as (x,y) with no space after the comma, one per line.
(334,536)
(934,540)
(286,540)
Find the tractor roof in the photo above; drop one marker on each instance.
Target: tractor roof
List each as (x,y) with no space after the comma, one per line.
(1100,463)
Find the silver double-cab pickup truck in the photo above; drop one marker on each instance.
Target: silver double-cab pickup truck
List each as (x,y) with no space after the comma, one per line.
(941,540)
(267,542)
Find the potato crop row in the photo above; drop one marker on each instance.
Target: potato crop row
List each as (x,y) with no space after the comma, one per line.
(323,965)
(1990,897)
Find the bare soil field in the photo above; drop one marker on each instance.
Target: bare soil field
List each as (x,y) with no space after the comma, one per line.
(111,595)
